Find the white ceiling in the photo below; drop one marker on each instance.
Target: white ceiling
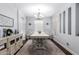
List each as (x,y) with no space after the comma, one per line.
(46,9)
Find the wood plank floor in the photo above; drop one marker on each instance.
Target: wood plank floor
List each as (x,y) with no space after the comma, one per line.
(51,47)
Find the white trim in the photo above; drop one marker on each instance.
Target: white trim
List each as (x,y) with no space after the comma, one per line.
(72,52)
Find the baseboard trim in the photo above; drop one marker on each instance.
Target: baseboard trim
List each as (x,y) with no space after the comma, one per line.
(62,48)
(18,50)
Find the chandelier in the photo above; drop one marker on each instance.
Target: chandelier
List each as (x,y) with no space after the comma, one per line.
(38,16)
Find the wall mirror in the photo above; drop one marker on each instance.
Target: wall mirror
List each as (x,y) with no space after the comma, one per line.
(6,21)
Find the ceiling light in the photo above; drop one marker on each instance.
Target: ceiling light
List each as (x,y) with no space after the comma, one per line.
(39,16)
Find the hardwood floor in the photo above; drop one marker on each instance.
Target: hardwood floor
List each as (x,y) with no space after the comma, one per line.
(52,48)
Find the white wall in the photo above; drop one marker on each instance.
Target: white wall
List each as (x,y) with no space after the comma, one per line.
(56,23)
(47,28)
(22,22)
(39,27)
(9,10)
(70,42)
(30,29)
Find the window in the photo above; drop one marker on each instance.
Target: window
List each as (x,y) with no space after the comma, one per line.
(69,20)
(77,19)
(64,22)
(60,22)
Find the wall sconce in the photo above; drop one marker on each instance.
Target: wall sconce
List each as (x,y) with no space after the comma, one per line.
(47,23)
(30,24)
